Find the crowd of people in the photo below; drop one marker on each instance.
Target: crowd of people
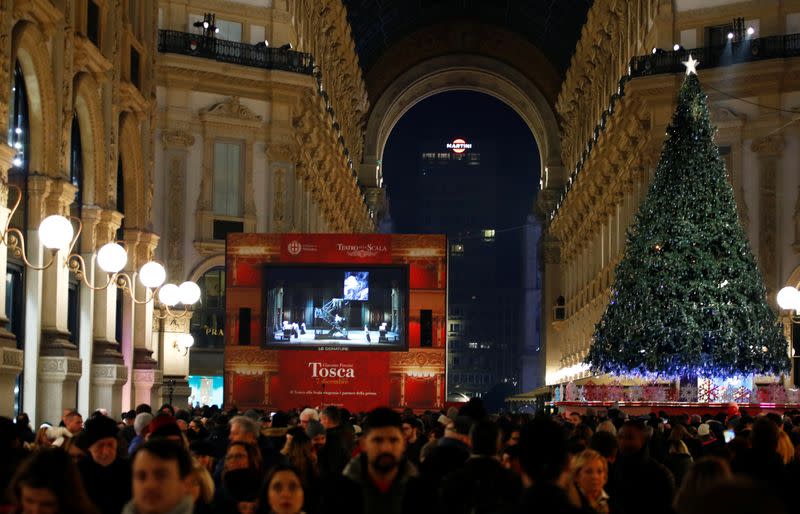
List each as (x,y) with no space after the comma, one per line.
(464,461)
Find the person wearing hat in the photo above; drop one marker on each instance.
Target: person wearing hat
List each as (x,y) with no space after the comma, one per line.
(128,431)
(451,451)
(106,476)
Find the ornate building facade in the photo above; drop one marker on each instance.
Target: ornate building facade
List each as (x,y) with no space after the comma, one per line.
(614,106)
(166,134)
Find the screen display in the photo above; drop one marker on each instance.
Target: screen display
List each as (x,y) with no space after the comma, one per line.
(331,307)
(356,286)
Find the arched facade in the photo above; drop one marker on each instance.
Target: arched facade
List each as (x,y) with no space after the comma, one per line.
(462,55)
(88,109)
(30,50)
(459,72)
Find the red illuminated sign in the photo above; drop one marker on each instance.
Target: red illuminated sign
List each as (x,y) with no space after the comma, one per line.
(459,146)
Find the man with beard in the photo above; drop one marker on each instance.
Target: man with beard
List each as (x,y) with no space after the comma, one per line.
(380,480)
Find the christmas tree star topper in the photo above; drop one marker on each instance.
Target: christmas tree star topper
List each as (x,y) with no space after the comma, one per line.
(691,65)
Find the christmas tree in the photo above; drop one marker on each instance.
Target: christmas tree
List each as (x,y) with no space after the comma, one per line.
(688,298)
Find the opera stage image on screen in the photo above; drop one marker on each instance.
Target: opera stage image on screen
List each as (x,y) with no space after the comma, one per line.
(361,308)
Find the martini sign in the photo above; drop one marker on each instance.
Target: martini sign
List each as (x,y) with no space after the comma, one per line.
(459,146)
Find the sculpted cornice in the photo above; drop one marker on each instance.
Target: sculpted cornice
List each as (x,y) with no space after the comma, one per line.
(177,139)
(230,109)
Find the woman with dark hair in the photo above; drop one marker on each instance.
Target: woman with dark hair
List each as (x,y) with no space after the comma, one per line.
(700,477)
(282,492)
(300,454)
(48,482)
(241,477)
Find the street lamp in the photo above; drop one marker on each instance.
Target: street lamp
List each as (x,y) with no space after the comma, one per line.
(789,299)
(58,233)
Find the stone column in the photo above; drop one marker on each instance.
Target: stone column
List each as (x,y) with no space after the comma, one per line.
(769,152)
(38,186)
(176,148)
(11,358)
(108,371)
(552,286)
(59,364)
(145,368)
(88,244)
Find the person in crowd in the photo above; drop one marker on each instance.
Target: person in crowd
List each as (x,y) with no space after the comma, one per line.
(282,493)
(203,452)
(197,431)
(604,443)
(308,414)
(762,462)
(106,476)
(41,440)
(589,477)
(140,424)
(434,435)
(161,479)
(704,472)
(637,479)
(607,426)
(75,447)
(245,429)
(240,479)
(48,482)
(12,451)
(201,489)
(25,431)
(318,435)
(678,460)
(785,447)
(335,455)
(509,458)
(451,452)
(545,468)
(128,430)
(513,436)
(481,484)
(301,456)
(380,480)
(73,421)
(414,442)
(738,495)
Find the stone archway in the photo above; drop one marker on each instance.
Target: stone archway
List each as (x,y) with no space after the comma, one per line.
(89,114)
(460,72)
(137,200)
(29,49)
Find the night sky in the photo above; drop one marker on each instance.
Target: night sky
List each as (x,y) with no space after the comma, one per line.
(468,115)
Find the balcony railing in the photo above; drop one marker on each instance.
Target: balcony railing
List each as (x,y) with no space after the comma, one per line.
(256,56)
(749,50)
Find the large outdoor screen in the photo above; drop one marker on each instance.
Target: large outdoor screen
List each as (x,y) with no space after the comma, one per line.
(336,307)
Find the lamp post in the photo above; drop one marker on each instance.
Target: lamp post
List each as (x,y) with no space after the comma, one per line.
(789,299)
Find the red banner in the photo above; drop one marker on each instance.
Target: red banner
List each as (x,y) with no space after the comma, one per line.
(337,248)
(355,380)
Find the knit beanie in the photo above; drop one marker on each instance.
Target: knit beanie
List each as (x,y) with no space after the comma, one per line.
(99,427)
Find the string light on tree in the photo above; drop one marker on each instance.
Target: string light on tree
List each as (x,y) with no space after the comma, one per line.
(688,299)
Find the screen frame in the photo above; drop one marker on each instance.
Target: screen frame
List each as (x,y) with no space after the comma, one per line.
(405,269)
